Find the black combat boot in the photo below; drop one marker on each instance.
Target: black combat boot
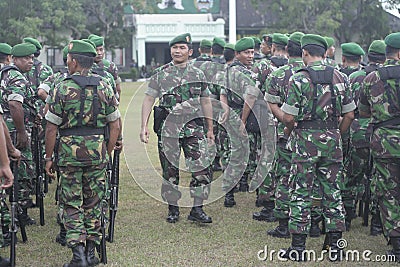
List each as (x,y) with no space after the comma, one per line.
(296,251)
(4,262)
(229,199)
(395,251)
(267,213)
(315,231)
(90,251)
(26,220)
(243,185)
(173,213)
(376,224)
(78,257)
(335,247)
(282,230)
(216,165)
(61,236)
(350,215)
(197,214)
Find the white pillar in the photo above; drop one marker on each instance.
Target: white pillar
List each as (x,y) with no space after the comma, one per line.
(232,21)
(141,48)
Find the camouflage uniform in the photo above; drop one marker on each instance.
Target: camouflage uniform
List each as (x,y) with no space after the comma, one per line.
(382,102)
(111,68)
(179,90)
(15,87)
(317,154)
(82,159)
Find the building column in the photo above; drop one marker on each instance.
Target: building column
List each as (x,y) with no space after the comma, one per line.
(141,48)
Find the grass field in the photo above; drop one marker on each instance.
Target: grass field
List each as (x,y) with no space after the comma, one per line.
(144,238)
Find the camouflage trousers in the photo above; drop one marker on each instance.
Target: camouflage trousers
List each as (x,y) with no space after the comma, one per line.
(304,173)
(197,162)
(5,215)
(386,183)
(224,146)
(26,176)
(255,151)
(356,166)
(82,192)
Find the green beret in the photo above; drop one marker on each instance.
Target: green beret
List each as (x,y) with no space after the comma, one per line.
(205,43)
(184,38)
(244,44)
(296,37)
(65,52)
(90,42)
(219,41)
(352,49)
(314,39)
(393,40)
(81,48)
(330,41)
(97,40)
(377,47)
(23,50)
(229,46)
(257,40)
(34,42)
(5,48)
(279,38)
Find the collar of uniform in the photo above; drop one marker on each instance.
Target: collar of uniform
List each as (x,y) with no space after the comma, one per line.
(295,60)
(315,63)
(391,62)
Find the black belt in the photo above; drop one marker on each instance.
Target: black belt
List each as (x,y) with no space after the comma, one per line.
(317,124)
(81,131)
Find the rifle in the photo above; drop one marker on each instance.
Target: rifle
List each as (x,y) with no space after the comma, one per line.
(367,192)
(15,211)
(103,247)
(114,184)
(39,186)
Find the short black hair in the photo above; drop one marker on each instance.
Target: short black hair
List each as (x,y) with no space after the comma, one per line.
(3,57)
(205,49)
(229,54)
(374,57)
(391,51)
(280,47)
(257,46)
(85,62)
(294,50)
(315,50)
(353,58)
(217,49)
(37,53)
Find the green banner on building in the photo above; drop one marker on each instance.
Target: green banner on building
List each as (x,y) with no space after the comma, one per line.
(188,6)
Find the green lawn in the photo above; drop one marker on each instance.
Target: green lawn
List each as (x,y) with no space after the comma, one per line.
(144,238)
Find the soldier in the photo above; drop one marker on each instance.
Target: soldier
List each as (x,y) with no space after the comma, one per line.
(266,46)
(18,103)
(83,151)
(330,52)
(316,144)
(257,45)
(356,164)
(183,92)
(217,50)
(105,64)
(276,88)
(379,100)
(205,51)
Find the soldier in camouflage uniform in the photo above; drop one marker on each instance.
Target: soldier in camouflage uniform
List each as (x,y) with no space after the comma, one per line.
(217,50)
(257,46)
(105,64)
(183,93)
(316,144)
(19,107)
(330,52)
(276,88)
(205,52)
(356,164)
(379,99)
(80,109)
(266,46)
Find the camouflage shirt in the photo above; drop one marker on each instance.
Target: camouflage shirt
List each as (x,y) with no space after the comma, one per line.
(299,102)
(383,104)
(179,89)
(64,111)
(111,68)
(210,68)
(38,74)
(264,67)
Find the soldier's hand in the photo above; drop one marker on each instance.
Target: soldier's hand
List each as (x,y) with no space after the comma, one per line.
(8,177)
(224,117)
(144,135)
(22,140)
(242,129)
(210,138)
(49,169)
(118,145)
(15,155)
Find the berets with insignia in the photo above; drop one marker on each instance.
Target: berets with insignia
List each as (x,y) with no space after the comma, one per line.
(205,43)
(279,38)
(244,44)
(313,39)
(184,38)
(33,41)
(230,46)
(393,40)
(296,37)
(97,40)
(219,41)
(80,47)
(377,47)
(330,41)
(23,50)
(352,49)
(5,48)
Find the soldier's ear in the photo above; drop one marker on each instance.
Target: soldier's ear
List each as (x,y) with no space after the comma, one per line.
(190,52)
